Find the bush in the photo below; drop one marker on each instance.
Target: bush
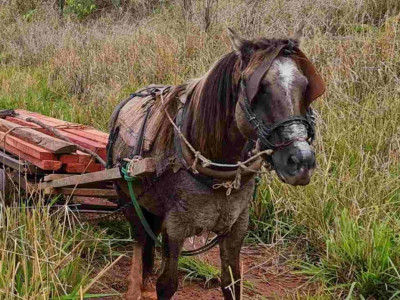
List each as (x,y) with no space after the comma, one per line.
(80,8)
(44,254)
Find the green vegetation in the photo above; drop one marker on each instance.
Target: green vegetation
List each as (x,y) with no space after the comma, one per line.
(46,254)
(80,8)
(345,223)
(198,269)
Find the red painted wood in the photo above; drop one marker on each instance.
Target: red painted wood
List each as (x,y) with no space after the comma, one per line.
(99,148)
(88,133)
(69,158)
(25,147)
(48,165)
(82,168)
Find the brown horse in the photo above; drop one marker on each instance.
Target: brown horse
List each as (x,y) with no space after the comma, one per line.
(259,92)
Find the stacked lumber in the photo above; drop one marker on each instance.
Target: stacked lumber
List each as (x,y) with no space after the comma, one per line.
(37,145)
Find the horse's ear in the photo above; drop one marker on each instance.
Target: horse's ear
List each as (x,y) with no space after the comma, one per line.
(236,40)
(299,33)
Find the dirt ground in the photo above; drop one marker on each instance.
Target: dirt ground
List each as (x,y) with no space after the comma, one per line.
(264,271)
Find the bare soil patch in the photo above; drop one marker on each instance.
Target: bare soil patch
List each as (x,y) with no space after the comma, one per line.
(265,275)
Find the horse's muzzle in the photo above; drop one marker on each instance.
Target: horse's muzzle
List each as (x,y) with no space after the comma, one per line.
(295,164)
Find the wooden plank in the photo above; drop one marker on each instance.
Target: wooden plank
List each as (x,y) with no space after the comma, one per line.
(69,158)
(55,176)
(37,138)
(83,192)
(91,201)
(142,167)
(78,157)
(105,175)
(84,158)
(87,133)
(20,146)
(11,162)
(91,134)
(82,168)
(96,147)
(48,165)
(19,165)
(25,123)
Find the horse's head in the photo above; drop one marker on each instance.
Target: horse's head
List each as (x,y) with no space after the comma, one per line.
(277,86)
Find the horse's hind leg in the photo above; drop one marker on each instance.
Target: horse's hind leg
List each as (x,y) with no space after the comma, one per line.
(143,252)
(148,253)
(135,275)
(167,283)
(230,247)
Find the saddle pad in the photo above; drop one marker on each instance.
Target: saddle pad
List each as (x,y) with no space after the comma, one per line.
(133,113)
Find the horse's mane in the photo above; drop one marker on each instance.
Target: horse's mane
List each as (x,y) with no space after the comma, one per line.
(213,99)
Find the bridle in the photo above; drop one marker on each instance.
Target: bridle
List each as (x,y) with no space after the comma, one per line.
(264,131)
(248,91)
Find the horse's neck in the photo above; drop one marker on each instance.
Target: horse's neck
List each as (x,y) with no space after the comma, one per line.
(232,148)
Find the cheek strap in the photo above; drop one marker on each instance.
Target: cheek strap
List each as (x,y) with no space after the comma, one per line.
(264,131)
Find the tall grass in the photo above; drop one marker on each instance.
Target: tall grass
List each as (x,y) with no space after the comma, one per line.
(79,70)
(45,253)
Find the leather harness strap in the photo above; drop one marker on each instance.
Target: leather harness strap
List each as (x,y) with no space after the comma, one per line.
(254,81)
(207,175)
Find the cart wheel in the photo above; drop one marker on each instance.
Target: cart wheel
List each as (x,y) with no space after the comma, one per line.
(5,187)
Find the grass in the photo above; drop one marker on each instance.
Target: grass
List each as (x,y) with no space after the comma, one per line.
(366,255)
(196,269)
(45,253)
(347,219)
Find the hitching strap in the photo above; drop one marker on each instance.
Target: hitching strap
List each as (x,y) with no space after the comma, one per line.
(130,180)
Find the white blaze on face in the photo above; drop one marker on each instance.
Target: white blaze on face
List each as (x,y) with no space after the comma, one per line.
(286,70)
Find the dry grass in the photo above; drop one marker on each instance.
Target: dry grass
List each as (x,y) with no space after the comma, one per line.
(47,253)
(80,70)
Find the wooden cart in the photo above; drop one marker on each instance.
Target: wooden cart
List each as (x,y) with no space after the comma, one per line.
(31,163)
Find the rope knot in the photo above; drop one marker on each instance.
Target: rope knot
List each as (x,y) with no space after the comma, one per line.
(227,184)
(237,182)
(195,162)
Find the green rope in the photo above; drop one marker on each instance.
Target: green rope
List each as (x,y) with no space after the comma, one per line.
(130,180)
(257,183)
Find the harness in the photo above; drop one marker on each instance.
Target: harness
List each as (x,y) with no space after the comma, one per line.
(248,91)
(211,177)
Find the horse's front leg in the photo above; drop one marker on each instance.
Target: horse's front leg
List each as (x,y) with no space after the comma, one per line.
(230,247)
(167,283)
